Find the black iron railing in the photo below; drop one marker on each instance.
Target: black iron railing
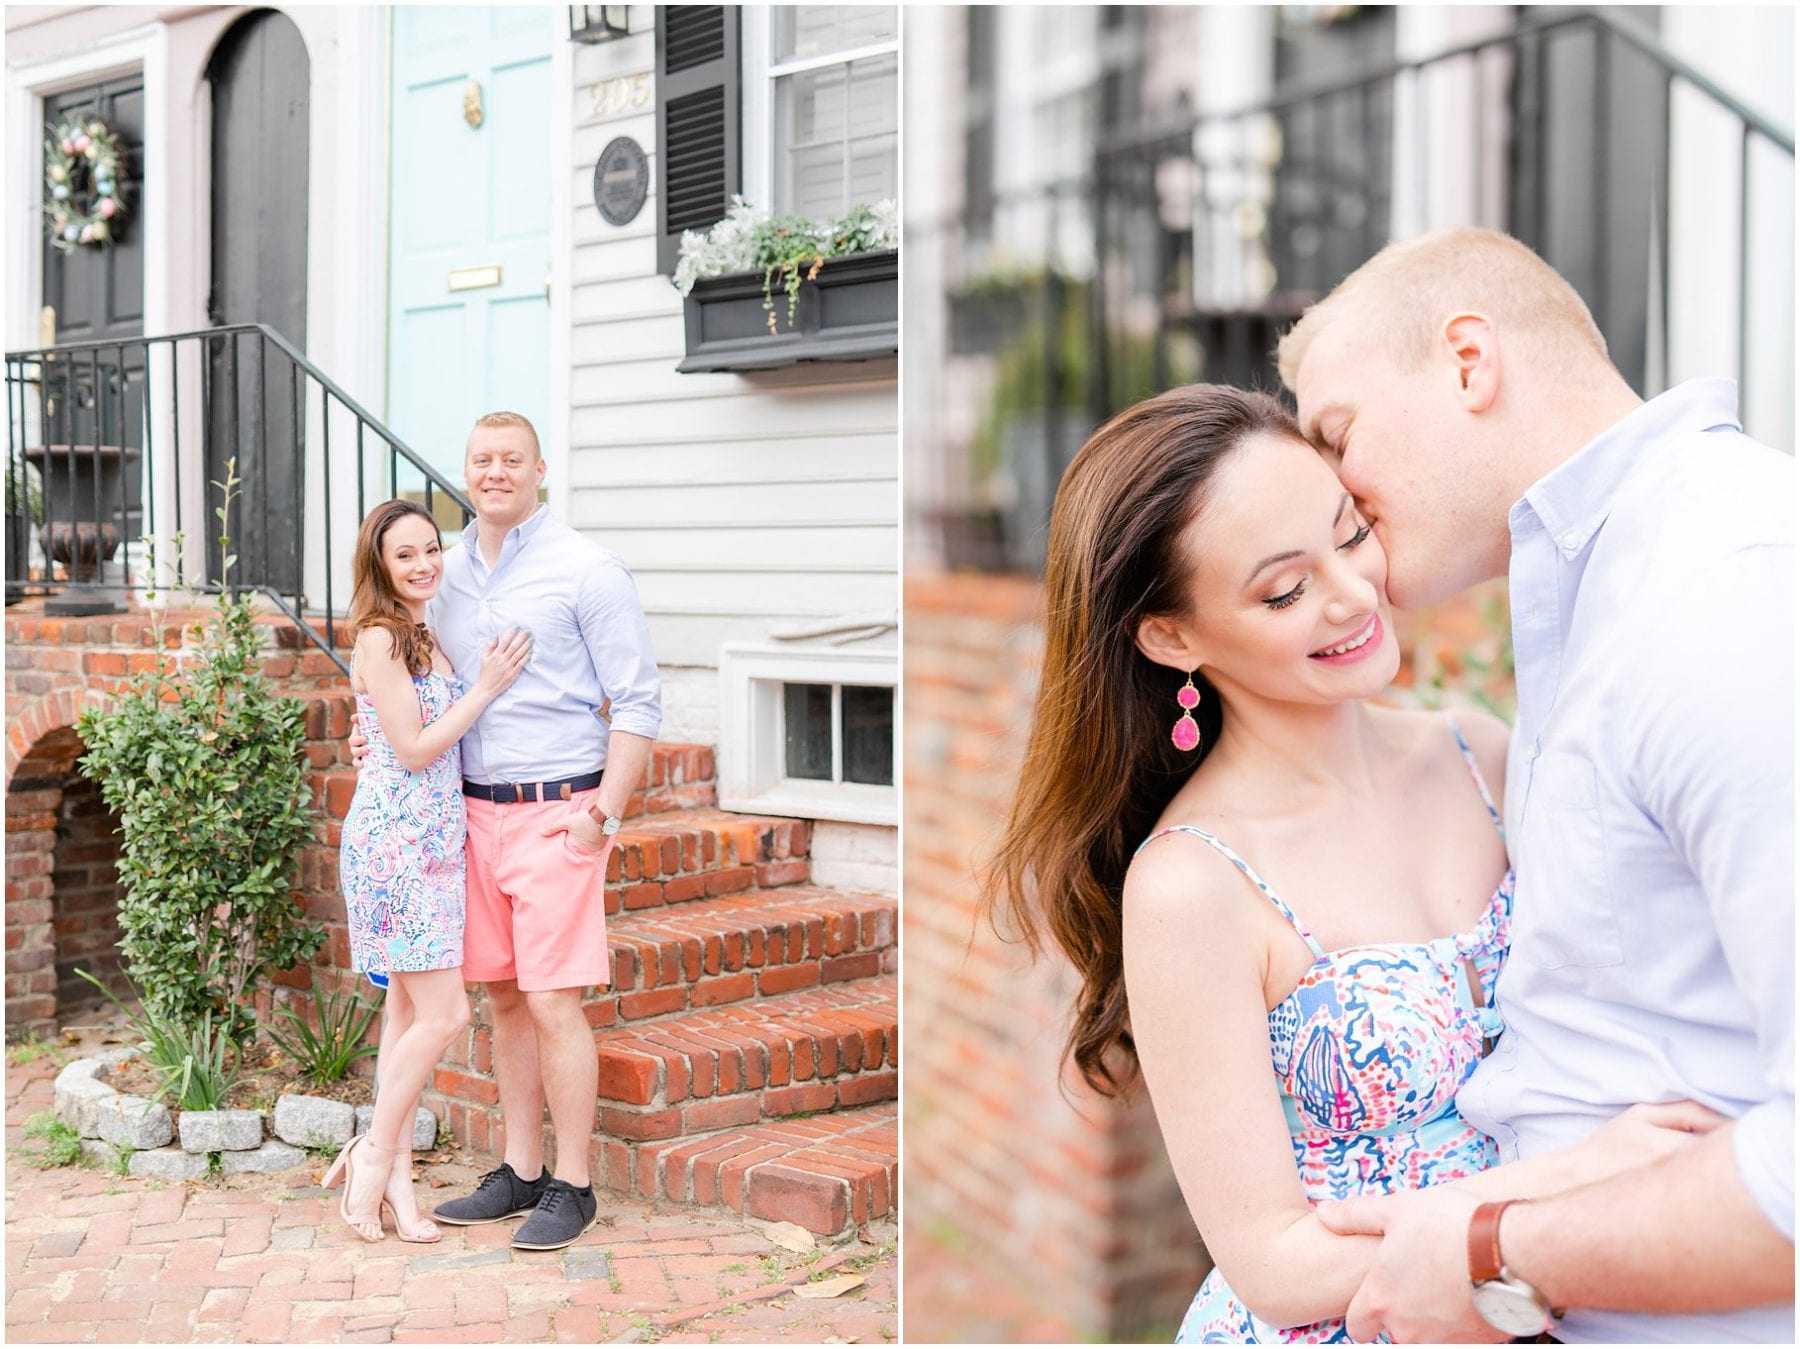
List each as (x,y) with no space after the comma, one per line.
(1184,248)
(116,451)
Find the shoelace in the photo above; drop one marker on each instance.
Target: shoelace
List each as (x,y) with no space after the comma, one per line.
(493,1178)
(552,1197)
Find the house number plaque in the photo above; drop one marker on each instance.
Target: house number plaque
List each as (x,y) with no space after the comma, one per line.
(621,181)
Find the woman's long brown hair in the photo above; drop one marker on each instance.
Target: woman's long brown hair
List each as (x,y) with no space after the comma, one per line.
(1099,764)
(374,603)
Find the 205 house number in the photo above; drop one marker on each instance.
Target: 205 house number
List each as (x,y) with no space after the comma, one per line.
(626,93)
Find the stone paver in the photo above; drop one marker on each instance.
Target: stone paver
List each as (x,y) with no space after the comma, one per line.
(93,1257)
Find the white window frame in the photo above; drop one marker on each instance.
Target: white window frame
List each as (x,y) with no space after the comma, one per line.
(752,744)
(760,70)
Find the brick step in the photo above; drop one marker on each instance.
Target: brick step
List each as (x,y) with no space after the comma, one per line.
(742,947)
(828,1174)
(734,1066)
(684,855)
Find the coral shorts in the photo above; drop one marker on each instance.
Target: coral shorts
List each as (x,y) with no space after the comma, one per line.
(537,902)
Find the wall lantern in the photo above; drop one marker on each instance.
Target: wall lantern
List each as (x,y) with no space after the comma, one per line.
(599,23)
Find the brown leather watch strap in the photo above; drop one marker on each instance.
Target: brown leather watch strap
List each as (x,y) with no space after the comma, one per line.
(1484,1240)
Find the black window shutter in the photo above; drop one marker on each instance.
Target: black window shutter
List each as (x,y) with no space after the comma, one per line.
(697,117)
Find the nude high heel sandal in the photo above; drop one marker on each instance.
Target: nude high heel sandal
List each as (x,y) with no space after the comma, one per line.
(365,1225)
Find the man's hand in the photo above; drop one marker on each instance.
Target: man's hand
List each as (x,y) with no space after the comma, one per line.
(1417,1288)
(585,830)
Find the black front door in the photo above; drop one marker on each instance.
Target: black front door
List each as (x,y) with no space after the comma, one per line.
(261,95)
(90,404)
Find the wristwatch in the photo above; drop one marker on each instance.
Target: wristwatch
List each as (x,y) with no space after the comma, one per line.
(1502,1299)
(610,825)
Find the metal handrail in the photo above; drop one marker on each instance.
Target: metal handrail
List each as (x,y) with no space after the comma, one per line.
(111,400)
(1143,138)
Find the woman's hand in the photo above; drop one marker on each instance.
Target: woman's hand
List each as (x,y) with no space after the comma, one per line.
(502,661)
(1644,1134)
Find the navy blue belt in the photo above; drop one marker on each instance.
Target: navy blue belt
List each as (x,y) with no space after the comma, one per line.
(510,793)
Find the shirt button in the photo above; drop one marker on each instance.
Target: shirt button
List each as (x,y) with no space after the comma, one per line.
(1571,541)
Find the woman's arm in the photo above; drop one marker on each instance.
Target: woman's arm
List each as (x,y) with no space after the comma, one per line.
(390,688)
(1196,947)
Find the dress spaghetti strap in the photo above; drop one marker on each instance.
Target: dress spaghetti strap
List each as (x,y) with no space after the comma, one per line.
(1243,866)
(1481,786)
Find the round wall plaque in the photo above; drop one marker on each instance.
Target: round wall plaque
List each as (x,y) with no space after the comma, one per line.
(621,181)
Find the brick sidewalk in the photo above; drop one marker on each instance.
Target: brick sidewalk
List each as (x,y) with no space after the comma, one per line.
(97,1258)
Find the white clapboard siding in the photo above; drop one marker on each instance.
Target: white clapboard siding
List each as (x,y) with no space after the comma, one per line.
(743,504)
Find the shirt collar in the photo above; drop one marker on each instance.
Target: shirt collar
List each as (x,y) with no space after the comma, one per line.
(1574,498)
(522,532)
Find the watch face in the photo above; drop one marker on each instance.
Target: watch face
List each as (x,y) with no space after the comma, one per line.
(611,825)
(1507,1307)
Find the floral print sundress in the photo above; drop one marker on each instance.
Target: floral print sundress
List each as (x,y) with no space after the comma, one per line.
(401,865)
(1369,1052)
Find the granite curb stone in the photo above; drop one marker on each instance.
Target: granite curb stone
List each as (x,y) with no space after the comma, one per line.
(133,1122)
(313,1121)
(221,1130)
(271,1156)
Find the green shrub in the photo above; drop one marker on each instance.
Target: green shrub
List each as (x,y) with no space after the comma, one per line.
(203,766)
(197,1062)
(326,1055)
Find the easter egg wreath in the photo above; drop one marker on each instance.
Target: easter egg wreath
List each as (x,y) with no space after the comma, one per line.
(84,180)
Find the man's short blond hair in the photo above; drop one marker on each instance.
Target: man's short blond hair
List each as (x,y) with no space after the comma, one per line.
(509,419)
(1400,298)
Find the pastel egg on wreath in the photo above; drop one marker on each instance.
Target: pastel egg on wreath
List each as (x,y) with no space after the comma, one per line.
(107,207)
(81,144)
(67,146)
(87,234)
(60,193)
(71,233)
(99,231)
(96,128)
(58,174)
(92,151)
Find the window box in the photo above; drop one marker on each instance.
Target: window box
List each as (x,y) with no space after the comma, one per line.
(850,313)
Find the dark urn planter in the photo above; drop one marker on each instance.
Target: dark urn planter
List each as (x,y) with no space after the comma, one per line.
(851,312)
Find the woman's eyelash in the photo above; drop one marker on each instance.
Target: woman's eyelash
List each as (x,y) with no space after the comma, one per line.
(1282,601)
(1355,538)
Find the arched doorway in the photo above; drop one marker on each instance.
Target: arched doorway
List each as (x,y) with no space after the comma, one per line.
(261,97)
(62,888)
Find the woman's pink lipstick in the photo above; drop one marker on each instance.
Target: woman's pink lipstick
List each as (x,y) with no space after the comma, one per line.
(1368,648)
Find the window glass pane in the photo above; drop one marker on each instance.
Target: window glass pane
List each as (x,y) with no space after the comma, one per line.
(838,130)
(814,30)
(869,735)
(807,727)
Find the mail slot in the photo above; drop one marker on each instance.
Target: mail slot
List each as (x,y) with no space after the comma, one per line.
(474,278)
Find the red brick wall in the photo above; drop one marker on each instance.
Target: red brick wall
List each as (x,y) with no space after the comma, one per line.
(1008,1156)
(86,894)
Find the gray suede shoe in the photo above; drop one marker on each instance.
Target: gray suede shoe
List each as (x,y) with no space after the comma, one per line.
(500,1195)
(561,1216)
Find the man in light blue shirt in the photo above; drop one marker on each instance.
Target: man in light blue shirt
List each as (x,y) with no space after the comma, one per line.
(547,772)
(1467,396)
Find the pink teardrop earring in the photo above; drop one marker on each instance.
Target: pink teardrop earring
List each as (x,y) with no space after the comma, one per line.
(1186,734)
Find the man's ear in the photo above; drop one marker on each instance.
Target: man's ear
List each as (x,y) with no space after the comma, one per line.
(1169,642)
(1473,345)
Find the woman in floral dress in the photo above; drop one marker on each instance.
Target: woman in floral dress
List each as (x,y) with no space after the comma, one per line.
(1287,903)
(401,860)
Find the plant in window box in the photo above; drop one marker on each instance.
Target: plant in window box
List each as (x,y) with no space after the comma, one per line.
(790,248)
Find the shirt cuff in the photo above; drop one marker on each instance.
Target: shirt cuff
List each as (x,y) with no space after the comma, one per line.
(1763,1140)
(635,722)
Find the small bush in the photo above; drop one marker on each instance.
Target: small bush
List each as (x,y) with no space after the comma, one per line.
(326,1055)
(197,1062)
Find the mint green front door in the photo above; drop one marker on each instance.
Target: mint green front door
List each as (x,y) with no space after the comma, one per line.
(469,244)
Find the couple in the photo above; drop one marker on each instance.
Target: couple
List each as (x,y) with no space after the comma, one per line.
(1301,876)
(475,847)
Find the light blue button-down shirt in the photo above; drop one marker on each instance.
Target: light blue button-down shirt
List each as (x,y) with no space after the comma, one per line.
(1650,808)
(589,643)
